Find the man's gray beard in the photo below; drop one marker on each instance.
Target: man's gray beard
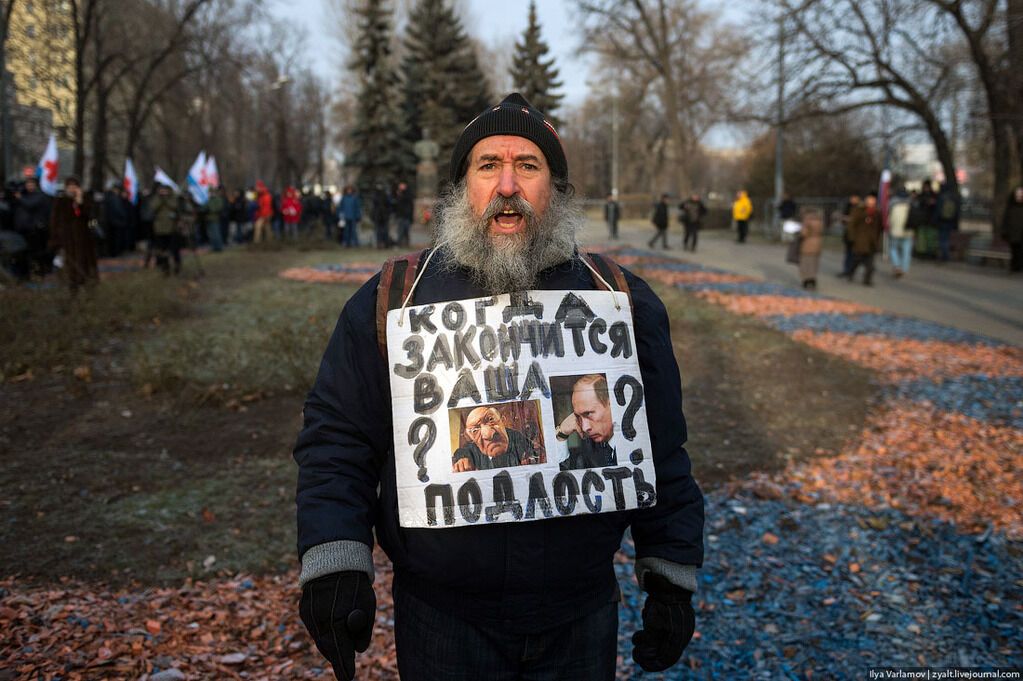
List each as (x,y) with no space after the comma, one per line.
(504,263)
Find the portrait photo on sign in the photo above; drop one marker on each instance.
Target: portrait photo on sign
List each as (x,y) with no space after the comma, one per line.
(586,429)
(492,436)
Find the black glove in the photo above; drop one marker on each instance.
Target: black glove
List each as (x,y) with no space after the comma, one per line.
(338,610)
(668,624)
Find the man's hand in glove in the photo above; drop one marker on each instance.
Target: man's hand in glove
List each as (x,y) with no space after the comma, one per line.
(668,624)
(338,610)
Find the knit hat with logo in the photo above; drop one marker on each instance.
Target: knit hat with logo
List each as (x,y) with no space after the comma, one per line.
(513,116)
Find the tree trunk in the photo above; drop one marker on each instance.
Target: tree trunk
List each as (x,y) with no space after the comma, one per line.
(99,135)
(946,156)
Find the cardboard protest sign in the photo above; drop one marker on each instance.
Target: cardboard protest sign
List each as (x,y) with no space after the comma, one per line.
(517,407)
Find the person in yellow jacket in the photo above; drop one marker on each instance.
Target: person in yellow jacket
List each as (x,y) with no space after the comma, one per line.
(742,210)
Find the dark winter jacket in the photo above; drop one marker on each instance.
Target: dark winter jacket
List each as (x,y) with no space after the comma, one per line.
(691,212)
(660,217)
(1012,223)
(865,230)
(612,212)
(32,212)
(518,574)
(350,208)
(403,206)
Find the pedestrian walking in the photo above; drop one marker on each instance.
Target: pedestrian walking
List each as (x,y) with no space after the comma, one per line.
(946,215)
(811,242)
(264,213)
(660,221)
(900,232)
(403,213)
(690,214)
(1012,229)
(847,211)
(865,234)
(350,211)
(70,235)
(742,211)
(612,214)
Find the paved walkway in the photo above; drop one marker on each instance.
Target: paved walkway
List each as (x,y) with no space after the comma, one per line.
(984,300)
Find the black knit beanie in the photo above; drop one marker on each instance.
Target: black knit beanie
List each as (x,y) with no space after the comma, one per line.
(513,116)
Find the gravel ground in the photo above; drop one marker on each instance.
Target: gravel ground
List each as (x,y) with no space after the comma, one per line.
(791,590)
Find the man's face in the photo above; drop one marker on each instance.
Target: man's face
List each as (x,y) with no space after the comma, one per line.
(30,186)
(73,189)
(486,429)
(871,201)
(594,416)
(503,167)
(164,190)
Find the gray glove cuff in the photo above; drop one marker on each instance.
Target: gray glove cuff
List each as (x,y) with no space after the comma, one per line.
(336,556)
(679,575)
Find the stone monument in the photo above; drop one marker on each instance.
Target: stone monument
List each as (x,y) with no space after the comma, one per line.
(426,177)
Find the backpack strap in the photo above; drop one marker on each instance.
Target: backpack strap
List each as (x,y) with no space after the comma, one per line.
(608,269)
(396,277)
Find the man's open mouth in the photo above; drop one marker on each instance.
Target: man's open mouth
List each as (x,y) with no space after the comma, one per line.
(508,219)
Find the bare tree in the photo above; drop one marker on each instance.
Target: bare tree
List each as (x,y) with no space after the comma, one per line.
(992,31)
(683,54)
(844,55)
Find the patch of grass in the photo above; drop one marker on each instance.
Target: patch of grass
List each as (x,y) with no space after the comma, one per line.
(120,516)
(43,329)
(251,331)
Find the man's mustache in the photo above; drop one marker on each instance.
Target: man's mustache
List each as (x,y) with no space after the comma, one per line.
(515,204)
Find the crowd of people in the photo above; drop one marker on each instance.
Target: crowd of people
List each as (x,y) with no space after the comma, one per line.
(69,232)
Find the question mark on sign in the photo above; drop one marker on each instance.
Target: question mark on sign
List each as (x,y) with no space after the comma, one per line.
(422,443)
(628,429)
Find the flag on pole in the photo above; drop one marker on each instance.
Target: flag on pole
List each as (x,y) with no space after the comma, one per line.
(212,176)
(884,195)
(48,168)
(131,181)
(196,177)
(163,178)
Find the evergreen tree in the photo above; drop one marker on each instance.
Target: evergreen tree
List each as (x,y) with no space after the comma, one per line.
(444,86)
(535,77)
(377,147)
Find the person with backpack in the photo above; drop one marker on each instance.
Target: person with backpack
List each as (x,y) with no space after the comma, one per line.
(473,602)
(690,214)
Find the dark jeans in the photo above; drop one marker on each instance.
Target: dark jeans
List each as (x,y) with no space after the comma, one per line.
(404,225)
(612,229)
(743,226)
(432,645)
(383,234)
(662,234)
(867,260)
(692,233)
(944,239)
(847,262)
(351,237)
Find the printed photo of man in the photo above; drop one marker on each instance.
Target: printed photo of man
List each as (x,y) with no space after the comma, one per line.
(492,444)
(590,420)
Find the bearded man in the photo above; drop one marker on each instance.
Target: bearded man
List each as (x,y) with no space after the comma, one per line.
(466,606)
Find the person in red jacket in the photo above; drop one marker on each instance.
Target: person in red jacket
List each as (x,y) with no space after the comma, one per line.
(264,213)
(291,209)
